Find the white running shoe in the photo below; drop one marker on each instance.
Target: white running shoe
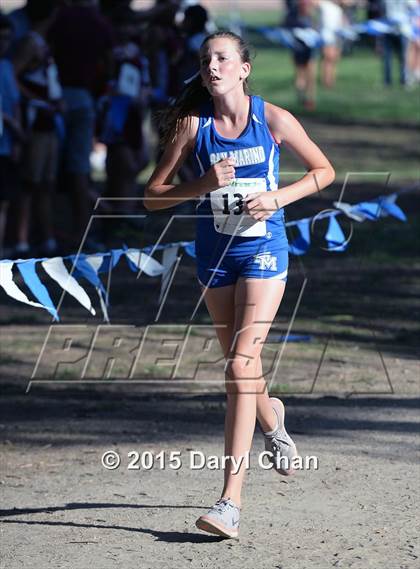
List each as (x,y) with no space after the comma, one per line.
(279,443)
(222,519)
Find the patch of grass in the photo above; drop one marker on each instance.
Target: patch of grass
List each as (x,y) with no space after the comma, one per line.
(358,96)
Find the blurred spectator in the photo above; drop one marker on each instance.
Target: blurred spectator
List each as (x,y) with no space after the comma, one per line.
(10,128)
(122,112)
(331,21)
(397,12)
(291,13)
(20,22)
(82,40)
(413,56)
(193,29)
(350,8)
(38,81)
(193,32)
(300,15)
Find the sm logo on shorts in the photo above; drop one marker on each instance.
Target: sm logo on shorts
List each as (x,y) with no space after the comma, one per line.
(266,261)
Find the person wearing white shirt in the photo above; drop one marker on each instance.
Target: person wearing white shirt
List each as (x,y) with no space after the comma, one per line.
(331,21)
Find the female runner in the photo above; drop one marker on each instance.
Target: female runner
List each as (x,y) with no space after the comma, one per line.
(241,243)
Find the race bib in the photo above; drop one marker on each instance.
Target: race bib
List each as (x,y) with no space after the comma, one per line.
(228,204)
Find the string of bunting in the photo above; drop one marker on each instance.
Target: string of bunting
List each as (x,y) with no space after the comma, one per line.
(296,38)
(68,271)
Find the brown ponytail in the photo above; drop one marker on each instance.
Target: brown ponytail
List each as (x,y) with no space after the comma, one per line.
(192,96)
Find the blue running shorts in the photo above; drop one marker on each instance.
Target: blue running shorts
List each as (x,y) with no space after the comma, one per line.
(223,270)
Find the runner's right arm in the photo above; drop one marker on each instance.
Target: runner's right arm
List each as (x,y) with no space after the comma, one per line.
(160,193)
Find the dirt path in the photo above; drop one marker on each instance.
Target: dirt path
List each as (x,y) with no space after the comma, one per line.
(62,509)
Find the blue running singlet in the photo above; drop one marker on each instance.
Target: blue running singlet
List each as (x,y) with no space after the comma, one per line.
(230,244)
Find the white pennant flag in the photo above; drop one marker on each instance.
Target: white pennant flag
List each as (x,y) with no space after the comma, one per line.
(145,263)
(10,287)
(57,270)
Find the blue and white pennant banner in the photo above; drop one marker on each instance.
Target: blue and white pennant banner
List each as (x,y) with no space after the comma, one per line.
(293,38)
(90,267)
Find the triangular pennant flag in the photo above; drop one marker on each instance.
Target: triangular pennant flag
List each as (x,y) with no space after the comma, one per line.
(301,244)
(109,260)
(335,238)
(56,268)
(32,281)
(189,248)
(389,207)
(95,261)
(140,261)
(10,287)
(85,267)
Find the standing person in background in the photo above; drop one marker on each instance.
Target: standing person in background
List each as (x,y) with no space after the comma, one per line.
(331,21)
(122,112)
(291,13)
(82,41)
(193,31)
(42,105)
(397,12)
(10,127)
(300,15)
(413,55)
(350,8)
(21,24)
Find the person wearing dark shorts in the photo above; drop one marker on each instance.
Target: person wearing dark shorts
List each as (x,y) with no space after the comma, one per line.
(300,15)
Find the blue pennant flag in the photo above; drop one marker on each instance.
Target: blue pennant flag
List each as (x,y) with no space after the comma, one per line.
(110,260)
(335,238)
(84,269)
(391,208)
(190,249)
(301,244)
(32,281)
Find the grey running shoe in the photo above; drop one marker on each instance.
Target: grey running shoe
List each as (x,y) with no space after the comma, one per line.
(222,519)
(279,443)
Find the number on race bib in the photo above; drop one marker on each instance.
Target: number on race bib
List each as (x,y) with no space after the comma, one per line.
(238,208)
